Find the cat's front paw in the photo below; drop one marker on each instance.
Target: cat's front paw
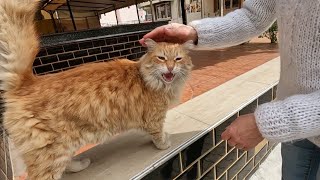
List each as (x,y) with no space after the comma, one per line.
(164,143)
(78,165)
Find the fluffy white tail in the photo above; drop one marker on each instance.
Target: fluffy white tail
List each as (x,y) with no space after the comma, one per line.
(18,42)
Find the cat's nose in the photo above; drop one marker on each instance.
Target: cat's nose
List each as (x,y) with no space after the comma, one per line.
(170,69)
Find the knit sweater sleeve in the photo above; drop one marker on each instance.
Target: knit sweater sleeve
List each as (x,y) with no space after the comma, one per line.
(238,26)
(296,117)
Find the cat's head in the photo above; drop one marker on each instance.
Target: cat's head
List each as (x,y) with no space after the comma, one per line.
(166,64)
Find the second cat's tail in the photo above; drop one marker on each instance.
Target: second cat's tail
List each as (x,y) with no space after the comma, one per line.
(18,42)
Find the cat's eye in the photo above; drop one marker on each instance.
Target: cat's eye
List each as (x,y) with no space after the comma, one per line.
(178,58)
(161,58)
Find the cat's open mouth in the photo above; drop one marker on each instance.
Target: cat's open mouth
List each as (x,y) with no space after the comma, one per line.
(168,77)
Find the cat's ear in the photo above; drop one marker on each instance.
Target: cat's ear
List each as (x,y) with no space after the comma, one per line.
(151,44)
(188,45)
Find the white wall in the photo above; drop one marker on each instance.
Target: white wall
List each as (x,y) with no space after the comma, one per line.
(175,11)
(126,15)
(208,8)
(108,19)
(193,16)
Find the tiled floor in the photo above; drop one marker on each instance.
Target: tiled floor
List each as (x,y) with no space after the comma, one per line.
(271,167)
(214,67)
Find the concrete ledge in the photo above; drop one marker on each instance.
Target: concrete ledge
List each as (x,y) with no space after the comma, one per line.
(132,155)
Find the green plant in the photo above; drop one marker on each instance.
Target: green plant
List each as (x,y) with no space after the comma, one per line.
(271,33)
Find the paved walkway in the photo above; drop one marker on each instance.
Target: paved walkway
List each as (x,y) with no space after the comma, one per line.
(214,67)
(270,169)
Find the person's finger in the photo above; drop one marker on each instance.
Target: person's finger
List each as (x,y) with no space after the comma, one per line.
(157,35)
(142,42)
(154,34)
(170,31)
(232,143)
(226,135)
(239,146)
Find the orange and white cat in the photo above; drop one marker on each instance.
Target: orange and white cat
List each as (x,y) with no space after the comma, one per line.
(49,117)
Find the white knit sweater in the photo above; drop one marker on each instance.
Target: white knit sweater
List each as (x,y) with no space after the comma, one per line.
(296,113)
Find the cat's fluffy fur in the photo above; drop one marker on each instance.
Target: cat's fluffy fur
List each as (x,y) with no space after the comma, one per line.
(49,117)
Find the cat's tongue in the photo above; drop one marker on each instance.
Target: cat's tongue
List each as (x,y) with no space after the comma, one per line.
(168,76)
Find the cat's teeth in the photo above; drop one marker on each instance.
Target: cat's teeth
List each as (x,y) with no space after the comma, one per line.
(168,77)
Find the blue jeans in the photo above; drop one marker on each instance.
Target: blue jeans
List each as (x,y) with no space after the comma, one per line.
(300,161)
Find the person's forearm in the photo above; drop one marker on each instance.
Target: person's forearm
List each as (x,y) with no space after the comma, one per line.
(237,27)
(296,117)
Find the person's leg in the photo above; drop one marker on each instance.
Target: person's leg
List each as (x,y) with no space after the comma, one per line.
(300,160)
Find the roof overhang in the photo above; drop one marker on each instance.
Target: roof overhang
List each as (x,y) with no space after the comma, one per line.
(98,6)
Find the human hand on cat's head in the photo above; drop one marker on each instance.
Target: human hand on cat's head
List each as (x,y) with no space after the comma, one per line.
(172,33)
(151,45)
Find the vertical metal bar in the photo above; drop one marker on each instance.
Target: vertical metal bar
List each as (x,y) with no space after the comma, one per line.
(87,22)
(221,7)
(71,16)
(152,11)
(202,11)
(53,21)
(137,11)
(115,11)
(60,23)
(180,162)
(199,169)
(183,12)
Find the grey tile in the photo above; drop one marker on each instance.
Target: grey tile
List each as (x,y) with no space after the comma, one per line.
(43,69)
(99,42)
(208,176)
(250,108)
(36,62)
(245,170)
(236,167)
(222,127)
(266,97)
(42,52)
(226,162)
(71,47)
(55,50)
(190,174)
(75,62)
(85,45)
(260,154)
(168,170)
(49,59)
(94,51)
(274,91)
(192,152)
(65,56)
(213,157)
(60,65)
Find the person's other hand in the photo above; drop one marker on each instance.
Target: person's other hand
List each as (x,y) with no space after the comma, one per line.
(174,33)
(243,133)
